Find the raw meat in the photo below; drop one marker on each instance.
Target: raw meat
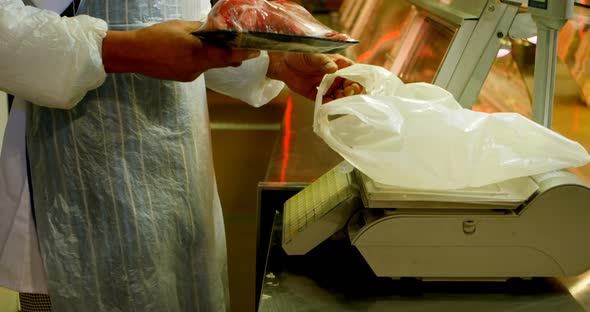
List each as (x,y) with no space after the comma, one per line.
(278,16)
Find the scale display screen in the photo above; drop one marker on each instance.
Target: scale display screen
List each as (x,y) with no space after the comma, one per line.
(539,4)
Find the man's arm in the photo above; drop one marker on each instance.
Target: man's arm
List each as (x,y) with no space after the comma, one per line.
(54,61)
(259,80)
(303,72)
(247,83)
(166,51)
(47,59)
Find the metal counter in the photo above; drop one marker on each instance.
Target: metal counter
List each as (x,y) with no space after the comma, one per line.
(334,277)
(299,157)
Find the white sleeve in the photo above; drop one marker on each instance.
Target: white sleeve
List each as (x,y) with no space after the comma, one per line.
(247,82)
(46,59)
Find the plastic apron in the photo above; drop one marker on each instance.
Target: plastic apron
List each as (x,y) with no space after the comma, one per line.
(127,209)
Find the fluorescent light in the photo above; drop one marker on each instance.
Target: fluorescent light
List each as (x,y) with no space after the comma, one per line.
(503,52)
(532,40)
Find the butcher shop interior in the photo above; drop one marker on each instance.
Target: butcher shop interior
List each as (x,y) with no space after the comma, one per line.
(308,229)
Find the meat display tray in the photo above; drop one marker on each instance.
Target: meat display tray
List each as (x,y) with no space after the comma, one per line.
(273,41)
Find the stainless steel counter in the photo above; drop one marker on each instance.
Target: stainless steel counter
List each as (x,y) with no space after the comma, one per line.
(299,157)
(334,277)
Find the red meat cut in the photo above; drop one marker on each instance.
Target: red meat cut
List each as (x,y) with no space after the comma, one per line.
(278,16)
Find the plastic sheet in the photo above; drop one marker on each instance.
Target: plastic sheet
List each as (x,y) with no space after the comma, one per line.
(270,25)
(417,136)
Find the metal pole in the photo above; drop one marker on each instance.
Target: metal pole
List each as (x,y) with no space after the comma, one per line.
(545,64)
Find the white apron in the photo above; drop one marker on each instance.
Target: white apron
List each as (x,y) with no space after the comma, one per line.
(135,224)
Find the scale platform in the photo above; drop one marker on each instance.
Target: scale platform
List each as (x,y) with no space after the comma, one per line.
(504,195)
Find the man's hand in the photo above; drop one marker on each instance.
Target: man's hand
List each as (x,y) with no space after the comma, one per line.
(303,72)
(167,51)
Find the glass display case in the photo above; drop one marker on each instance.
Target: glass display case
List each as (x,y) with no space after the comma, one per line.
(378,24)
(509,84)
(505,88)
(430,42)
(383,25)
(574,50)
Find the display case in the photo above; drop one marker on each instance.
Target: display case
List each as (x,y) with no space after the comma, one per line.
(379,37)
(574,50)
(427,41)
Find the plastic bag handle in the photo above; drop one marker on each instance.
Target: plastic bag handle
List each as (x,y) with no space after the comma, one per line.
(392,123)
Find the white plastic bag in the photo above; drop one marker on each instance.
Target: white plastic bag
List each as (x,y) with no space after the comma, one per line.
(417,136)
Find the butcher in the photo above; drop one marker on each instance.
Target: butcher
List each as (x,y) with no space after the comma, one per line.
(111,204)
